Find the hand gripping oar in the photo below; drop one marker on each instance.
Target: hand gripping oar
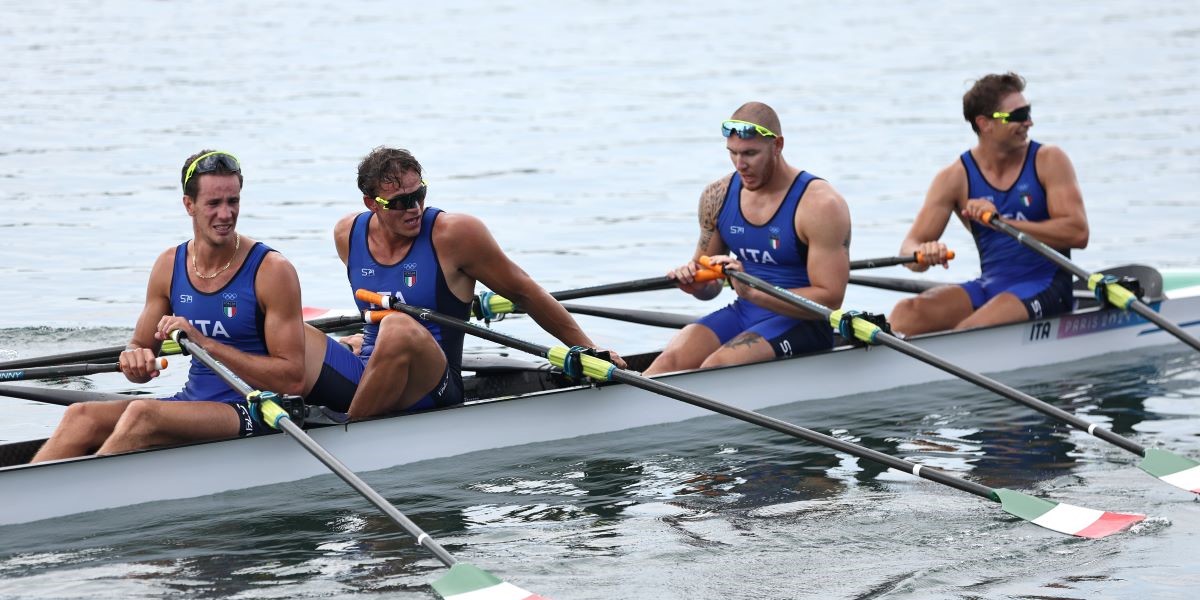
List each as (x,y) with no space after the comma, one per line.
(1174,469)
(1060,517)
(1105,287)
(887,261)
(65,371)
(463,580)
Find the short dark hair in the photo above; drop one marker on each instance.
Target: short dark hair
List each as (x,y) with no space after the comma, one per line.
(385,165)
(984,97)
(192,186)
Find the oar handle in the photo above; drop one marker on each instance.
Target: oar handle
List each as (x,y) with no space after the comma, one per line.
(919,257)
(888,261)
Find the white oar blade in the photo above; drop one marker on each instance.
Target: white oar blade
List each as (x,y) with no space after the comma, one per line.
(468,582)
(1183,473)
(1065,518)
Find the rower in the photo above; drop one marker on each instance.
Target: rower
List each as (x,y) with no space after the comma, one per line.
(783,224)
(432,259)
(1031,186)
(232,295)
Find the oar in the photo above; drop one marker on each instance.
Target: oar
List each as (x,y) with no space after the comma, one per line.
(325,324)
(56,396)
(1060,517)
(64,371)
(488,306)
(896,284)
(1109,288)
(463,581)
(1174,469)
(887,261)
(663,282)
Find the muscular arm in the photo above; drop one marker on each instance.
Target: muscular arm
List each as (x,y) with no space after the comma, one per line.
(948,190)
(281,370)
(341,236)
(1067,226)
(137,360)
(709,244)
(466,244)
(822,222)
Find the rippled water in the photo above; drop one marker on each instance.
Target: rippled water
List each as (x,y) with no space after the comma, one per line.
(582,133)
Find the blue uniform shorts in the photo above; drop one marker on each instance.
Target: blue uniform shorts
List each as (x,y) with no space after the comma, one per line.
(786,335)
(1042,297)
(343,370)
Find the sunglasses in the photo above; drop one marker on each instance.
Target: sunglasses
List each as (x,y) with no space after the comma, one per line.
(1019,115)
(404,201)
(744,129)
(212,162)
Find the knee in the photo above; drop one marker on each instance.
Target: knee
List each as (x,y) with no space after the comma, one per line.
(139,418)
(400,330)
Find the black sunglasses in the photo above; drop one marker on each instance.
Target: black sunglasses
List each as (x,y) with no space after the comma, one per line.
(404,201)
(1019,115)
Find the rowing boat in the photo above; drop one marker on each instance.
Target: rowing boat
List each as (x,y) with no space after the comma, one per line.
(517,402)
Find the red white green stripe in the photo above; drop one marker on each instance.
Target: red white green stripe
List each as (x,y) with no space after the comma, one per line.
(1065,518)
(468,582)
(1176,470)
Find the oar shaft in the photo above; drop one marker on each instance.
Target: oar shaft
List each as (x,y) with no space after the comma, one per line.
(888,261)
(329,460)
(637,285)
(635,380)
(895,343)
(57,396)
(62,371)
(891,341)
(1136,305)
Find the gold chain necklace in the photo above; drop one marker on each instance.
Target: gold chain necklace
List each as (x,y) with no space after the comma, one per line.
(237,244)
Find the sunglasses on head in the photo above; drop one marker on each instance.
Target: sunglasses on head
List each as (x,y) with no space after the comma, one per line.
(1019,115)
(744,129)
(404,201)
(211,162)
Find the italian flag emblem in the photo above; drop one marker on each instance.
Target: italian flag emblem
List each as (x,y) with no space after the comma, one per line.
(1027,200)
(230,309)
(467,582)
(774,242)
(410,278)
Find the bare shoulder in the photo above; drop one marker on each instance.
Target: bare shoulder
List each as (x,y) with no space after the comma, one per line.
(162,271)
(459,234)
(276,265)
(711,200)
(342,228)
(1053,157)
(820,196)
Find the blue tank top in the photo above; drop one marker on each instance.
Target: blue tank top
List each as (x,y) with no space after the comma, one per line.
(771,251)
(229,315)
(1002,257)
(417,279)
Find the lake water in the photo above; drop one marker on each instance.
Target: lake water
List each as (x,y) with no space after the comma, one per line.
(582,133)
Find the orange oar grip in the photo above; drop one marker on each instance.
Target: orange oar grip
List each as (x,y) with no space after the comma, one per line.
(921,256)
(369,296)
(162,363)
(375,316)
(987,216)
(707,262)
(710,274)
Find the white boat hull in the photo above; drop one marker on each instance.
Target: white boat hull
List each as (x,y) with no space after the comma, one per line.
(35,492)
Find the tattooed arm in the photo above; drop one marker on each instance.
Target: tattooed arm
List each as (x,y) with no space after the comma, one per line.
(710,243)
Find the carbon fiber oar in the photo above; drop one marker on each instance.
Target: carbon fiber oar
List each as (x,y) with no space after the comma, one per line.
(463,581)
(1106,288)
(1060,517)
(57,396)
(64,371)
(1176,470)
(324,323)
(887,261)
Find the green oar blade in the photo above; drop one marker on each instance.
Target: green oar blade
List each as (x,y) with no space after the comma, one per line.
(1183,473)
(468,582)
(1065,518)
